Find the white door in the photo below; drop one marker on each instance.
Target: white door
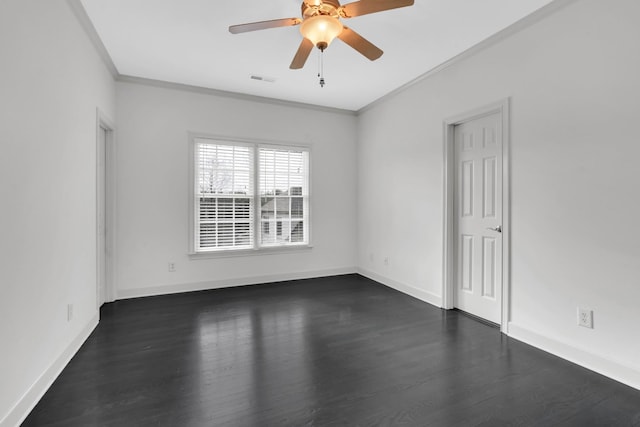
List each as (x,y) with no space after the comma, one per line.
(101,207)
(478,217)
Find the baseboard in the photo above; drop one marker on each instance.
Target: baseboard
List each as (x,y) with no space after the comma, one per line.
(420,294)
(29,400)
(227,283)
(604,366)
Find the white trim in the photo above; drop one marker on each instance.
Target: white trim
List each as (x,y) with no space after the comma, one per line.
(501,107)
(410,290)
(228,283)
(581,356)
(234,95)
(191,185)
(32,396)
(448,180)
(103,121)
(85,22)
(265,250)
(490,41)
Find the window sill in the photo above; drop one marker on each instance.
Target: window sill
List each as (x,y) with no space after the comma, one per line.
(275,250)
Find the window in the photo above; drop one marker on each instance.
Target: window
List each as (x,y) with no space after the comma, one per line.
(283,190)
(248,196)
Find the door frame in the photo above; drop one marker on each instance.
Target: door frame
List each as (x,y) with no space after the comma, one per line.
(501,107)
(106,183)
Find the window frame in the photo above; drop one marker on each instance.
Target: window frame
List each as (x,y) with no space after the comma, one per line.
(257,249)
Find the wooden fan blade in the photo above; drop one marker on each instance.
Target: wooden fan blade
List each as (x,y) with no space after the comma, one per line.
(263,25)
(360,44)
(364,7)
(302,54)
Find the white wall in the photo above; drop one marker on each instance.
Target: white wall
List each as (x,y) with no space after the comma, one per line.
(573,81)
(152,188)
(51,82)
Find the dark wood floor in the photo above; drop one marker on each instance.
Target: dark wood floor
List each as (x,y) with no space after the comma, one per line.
(342,351)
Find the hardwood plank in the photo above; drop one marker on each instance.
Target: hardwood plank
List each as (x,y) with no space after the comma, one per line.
(331,351)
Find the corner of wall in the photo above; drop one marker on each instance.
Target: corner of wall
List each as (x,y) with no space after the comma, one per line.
(410,290)
(28,401)
(85,22)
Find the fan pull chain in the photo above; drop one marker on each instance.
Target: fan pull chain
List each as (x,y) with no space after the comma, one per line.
(321,68)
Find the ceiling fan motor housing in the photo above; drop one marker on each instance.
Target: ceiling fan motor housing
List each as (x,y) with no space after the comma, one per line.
(321,7)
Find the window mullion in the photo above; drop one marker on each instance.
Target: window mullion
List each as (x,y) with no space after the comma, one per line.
(257,207)
(233,197)
(196,182)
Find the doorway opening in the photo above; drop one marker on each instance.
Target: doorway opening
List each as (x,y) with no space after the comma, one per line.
(105,209)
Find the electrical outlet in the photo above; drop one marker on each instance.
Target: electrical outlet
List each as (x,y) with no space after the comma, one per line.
(386,261)
(172,267)
(585,318)
(69,312)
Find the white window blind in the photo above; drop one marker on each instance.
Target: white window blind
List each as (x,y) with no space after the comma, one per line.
(249,196)
(224,196)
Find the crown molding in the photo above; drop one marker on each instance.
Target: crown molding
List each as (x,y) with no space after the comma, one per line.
(526,22)
(234,95)
(490,41)
(81,14)
(84,20)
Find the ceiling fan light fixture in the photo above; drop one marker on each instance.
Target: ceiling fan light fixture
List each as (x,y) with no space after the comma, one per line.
(321,30)
(320,24)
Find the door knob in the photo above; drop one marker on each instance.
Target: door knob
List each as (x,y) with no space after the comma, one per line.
(498,229)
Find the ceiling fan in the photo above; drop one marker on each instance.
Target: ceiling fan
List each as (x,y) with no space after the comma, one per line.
(320,24)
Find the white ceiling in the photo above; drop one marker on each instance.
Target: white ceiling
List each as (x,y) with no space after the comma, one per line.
(188,42)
